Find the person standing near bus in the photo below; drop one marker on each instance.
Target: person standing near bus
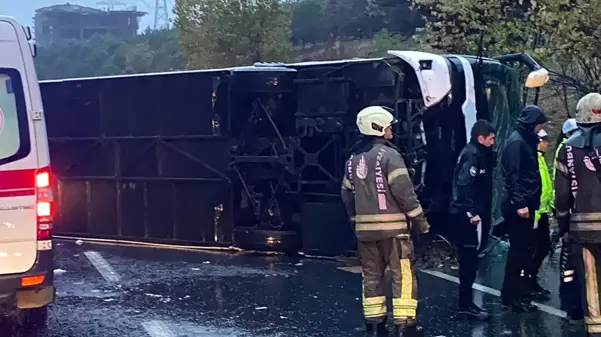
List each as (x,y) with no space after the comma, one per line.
(470,203)
(380,199)
(578,206)
(523,185)
(541,219)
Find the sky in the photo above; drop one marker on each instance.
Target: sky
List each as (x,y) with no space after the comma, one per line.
(24,10)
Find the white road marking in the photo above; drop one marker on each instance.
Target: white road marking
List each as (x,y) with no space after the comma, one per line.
(157,329)
(103,267)
(495,292)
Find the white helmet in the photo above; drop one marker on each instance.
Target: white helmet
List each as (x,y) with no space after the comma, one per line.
(589,109)
(372,120)
(569,126)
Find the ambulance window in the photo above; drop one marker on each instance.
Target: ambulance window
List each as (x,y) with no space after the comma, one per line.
(14,134)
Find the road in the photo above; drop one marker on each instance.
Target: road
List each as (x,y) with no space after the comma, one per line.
(118,291)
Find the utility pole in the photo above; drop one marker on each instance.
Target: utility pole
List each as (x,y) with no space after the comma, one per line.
(161,13)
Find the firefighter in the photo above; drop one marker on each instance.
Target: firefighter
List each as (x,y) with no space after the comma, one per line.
(523,185)
(379,197)
(541,219)
(470,203)
(568,128)
(578,206)
(569,287)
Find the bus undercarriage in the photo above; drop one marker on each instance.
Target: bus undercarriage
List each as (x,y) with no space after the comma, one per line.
(262,148)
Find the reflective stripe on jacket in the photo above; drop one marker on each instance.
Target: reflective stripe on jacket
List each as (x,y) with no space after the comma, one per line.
(577,193)
(378,193)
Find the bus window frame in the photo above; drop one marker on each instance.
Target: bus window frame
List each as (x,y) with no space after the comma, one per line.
(22,116)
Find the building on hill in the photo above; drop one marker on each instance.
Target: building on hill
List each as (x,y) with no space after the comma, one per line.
(73,22)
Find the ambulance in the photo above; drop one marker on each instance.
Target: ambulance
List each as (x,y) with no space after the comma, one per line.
(26,203)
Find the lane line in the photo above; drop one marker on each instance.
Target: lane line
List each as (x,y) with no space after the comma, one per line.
(495,292)
(103,267)
(157,329)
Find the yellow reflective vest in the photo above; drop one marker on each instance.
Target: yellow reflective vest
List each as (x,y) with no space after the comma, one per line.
(546,196)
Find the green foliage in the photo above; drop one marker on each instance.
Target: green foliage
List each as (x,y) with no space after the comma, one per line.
(316,21)
(304,12)
(564,34)
(223,33)
(152,51)
(384,40)
(504,26)
(575,29)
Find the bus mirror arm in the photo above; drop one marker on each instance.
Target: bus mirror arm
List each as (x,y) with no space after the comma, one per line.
(538,76)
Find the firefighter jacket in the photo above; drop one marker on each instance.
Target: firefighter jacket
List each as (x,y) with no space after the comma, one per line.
(378,193)
(546,195)
(578,186)
(520,169)
(472,181)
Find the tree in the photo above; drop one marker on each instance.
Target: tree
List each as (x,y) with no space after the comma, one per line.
(384,40)
(576,41)
(223,33)
(503,26)
(303,31)
(152,51)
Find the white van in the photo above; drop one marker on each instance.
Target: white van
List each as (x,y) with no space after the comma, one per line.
(26,203)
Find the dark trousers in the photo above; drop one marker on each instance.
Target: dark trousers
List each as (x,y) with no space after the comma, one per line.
(587,260)
(519,264)
(467,244)
(569,284)
(542,243)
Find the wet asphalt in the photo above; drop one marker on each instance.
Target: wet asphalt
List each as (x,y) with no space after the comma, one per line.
(121,291)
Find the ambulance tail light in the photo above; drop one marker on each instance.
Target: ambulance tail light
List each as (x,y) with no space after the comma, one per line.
(44,205)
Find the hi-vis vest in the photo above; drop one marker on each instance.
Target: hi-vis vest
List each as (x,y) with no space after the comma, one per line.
(379,195)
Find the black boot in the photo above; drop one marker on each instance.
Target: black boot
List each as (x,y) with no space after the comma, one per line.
(473,313)
(408,331)
(519,305)
(376,329)
(537,292)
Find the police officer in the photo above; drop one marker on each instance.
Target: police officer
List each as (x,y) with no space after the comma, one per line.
(541,219)
(523,185)
(578,204)
(471,191)
(379,196)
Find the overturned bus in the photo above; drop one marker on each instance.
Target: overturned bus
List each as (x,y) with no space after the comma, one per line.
(253,157)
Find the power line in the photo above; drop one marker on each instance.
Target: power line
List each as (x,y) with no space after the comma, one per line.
(110,4)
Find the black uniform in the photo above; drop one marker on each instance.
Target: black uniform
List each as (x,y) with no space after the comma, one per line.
(523,186)
(472,192)
(578,211)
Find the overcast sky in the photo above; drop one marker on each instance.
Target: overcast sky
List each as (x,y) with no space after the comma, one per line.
(24,10)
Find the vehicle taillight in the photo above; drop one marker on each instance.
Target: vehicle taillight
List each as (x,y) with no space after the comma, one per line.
(45,203)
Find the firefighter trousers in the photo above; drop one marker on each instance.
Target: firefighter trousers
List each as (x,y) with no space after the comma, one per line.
(395,253)
(569,284)
(587,260)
